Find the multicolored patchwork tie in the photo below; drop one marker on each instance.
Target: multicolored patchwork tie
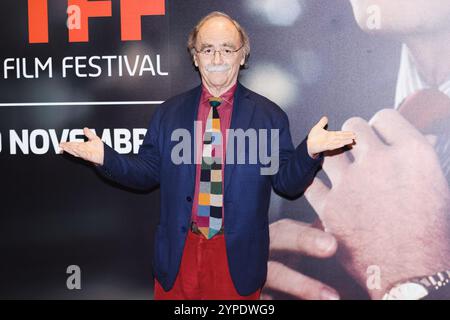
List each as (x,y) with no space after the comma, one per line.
(210,199)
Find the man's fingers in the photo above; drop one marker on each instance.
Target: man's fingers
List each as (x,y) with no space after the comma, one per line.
(81,151)
(335,165)
(432,139)
(89,134)
(394,128)
(76,149)
(334,138)
(286,280)
(343,135)
(322,122)
(291,235)
(69,148)
(336,144)
(265,296)
(316,194)
(366,136)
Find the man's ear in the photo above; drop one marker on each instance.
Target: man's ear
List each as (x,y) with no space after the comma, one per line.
(195,60)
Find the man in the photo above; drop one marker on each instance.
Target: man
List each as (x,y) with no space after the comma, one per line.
(212,241)
(395,212)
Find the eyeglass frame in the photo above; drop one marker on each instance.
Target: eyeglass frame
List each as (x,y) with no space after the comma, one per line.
(214,51)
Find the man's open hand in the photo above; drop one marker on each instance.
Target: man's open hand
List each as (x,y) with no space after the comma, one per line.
(91,150)
(320,140)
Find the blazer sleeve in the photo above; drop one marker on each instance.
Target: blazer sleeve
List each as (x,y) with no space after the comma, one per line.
(296,168)
(139,171)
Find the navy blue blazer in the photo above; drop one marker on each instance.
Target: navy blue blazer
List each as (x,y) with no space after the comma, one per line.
(246,191)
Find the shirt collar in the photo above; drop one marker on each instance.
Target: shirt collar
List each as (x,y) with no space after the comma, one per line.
(226,96)
(409,79)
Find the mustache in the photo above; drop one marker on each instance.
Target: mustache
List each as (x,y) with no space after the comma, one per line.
(218,68)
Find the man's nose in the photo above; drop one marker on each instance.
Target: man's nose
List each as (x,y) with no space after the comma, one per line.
(217,58)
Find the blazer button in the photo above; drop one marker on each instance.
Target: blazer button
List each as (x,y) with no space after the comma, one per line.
(188,199)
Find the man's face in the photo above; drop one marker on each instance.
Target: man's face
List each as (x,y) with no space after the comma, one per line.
(403,16)
(216,70)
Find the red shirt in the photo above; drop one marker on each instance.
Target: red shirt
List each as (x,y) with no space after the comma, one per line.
(225,110)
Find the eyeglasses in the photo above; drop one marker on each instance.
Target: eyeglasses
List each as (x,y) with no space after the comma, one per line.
(224,51)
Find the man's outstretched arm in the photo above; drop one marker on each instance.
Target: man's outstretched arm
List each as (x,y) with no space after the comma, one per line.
(139,171)
(298,166)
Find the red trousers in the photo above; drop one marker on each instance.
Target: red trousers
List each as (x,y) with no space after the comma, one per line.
(204,273)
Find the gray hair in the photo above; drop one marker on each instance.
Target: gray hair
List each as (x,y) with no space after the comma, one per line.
(192,39)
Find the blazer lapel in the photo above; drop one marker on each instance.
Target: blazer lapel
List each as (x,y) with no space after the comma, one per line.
(188,115)
(242,115)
